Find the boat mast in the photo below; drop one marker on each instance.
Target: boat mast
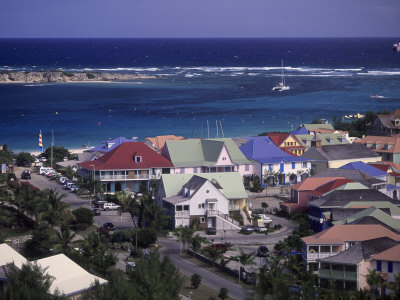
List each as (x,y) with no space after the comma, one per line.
(283,75)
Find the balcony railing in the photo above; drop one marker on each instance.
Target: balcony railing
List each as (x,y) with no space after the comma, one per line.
(183,214)
(124,177)
(315,256)
(337,274)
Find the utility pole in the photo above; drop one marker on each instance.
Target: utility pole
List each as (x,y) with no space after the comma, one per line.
(51,148)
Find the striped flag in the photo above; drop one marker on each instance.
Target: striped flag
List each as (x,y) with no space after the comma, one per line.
(40,141)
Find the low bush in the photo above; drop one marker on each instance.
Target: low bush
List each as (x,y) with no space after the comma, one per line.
(83,215)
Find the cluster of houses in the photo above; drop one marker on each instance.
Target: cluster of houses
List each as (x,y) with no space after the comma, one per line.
(349,187)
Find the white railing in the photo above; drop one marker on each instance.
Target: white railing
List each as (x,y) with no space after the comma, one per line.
(216,213)
(182,214)
(124,177)
(315,256)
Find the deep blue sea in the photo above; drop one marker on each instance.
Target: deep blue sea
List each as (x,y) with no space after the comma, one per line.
(200,80)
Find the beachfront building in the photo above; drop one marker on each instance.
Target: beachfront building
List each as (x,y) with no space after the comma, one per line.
(387,125)
(349,269)
(158,142)
(130,166)
(302,192)
(194,156)
(110,145)
(68,278)
(287,142)
(274,166)
(336,239)
(335,156)
(351,195)
(207,197)
(386,146)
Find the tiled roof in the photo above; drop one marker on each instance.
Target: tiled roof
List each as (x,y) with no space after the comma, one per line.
(278,137)
(123,158)
(391,254)
(312,183)
(382,167)
(390,144)
(388,120)
(366,168)
(347,151)
(231,183)
(361,250)
(311,127)
(355,175)
(262,149)
(197,152)
(327,187)
(158,142)
(341,198)
(351,233)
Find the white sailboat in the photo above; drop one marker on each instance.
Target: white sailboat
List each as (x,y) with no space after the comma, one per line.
(282,85)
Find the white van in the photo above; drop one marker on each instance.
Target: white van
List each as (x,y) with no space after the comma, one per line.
(110,206)
(44,170)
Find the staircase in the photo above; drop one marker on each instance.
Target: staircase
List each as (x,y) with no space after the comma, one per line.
(228,222)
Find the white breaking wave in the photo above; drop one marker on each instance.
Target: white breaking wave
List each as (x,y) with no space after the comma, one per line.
(380,73)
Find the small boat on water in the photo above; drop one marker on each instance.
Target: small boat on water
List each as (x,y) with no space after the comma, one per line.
(376,96)
(282,85)
(355,116)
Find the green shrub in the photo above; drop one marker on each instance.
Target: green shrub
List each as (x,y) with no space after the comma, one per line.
(80,226)
(83,215)
(195,280)
(90,75)
(68,74)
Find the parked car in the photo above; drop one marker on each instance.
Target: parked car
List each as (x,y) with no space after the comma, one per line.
(211,231)
(265,218)
(110,206)
(99,204)
(129,266)
(260,229)
(62,179)
(74,188)
(96,211)
(220,246)
(109,226)
(26,174)
(263,251)
(248,228)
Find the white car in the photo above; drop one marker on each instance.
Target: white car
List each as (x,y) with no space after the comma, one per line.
(110,206)
(62,179)
(265,218)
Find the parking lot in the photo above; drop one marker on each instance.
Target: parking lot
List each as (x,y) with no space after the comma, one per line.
(122,221)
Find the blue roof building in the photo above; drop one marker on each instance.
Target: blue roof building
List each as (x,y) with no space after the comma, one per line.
(366,168)
(109,145)
(273,165)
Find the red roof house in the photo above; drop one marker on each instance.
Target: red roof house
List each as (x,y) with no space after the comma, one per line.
(127,167)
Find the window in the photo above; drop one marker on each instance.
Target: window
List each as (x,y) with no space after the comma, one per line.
(293,165)
(379,265)
(178,208)
(246,167)
(207,191)
(270,167)
(202,220)
(202,205)
(186,207)
(224,158)
(195,170)
(199,205)
(390,266)
(282,167)
(138,159)
(182,171)
(304,164)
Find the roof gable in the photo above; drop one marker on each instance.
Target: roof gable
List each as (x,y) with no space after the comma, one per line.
(123,158)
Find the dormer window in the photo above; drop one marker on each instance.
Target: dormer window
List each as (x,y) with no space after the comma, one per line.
(109,145)
(138,159)
(397,122)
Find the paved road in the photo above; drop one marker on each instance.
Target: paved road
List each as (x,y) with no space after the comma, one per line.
(171,249)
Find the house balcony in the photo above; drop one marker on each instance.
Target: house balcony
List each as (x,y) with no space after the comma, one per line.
(337,274)
(125,177)
(182,214)
(318,255)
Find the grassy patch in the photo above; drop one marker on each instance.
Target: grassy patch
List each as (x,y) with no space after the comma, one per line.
(85,233)
(202,292)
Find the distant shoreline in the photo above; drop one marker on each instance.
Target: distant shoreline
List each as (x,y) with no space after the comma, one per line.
(9,77)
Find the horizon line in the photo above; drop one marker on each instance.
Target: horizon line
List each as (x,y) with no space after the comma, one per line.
(303,37)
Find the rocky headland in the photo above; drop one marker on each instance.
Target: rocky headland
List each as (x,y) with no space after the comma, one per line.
(63,76)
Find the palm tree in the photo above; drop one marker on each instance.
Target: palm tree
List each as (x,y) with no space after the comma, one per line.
(374,281)
(155,215)
(57,211)
(65,237)
(184,234)
(244,259)
(196,242)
